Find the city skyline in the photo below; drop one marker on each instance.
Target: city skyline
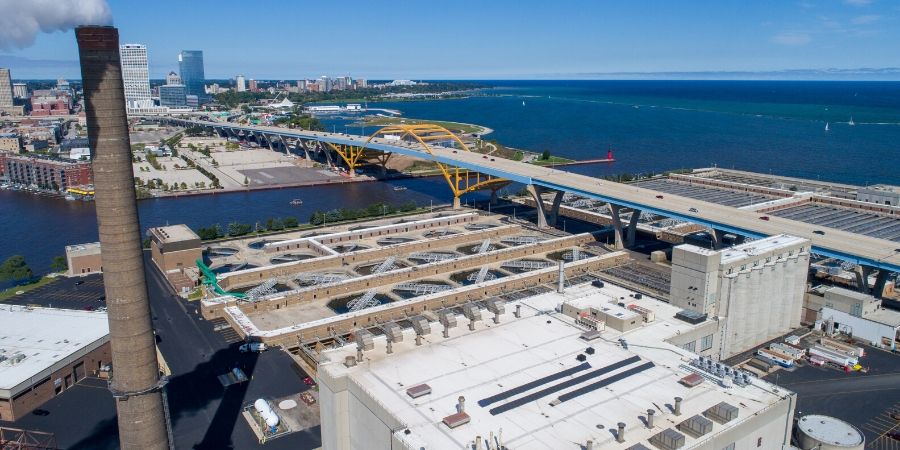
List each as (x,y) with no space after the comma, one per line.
(584,40)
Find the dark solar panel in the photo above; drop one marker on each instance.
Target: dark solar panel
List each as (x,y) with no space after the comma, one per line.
(533,384)
(604,382)
(564,385)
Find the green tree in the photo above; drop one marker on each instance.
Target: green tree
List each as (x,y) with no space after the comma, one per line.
(184,185)
(546,155)
(59,264)
(16,269)
(290,222)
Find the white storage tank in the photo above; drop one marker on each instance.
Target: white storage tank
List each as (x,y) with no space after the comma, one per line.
(828,433)
(265,411)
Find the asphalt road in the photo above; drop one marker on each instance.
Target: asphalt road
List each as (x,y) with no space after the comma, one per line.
(862,399)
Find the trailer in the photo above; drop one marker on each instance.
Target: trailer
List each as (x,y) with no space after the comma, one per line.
(841,347)
(829,355)
(760,364)
(776,357)
(790,350)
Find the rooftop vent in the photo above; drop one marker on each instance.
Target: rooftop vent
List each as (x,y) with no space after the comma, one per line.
(418,390)
(668,439)
(364,339)
(696,425)
(421,325)
(691,380)
(722,413)
(455,420)
(692,317)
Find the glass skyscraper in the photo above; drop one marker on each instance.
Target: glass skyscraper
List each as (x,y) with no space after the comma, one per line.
(190,64)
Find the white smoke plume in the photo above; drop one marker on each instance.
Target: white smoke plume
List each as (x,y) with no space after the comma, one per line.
(22,20)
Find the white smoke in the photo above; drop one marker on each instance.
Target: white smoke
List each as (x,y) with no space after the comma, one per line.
(22,20)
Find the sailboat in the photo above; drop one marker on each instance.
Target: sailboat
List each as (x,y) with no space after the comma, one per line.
(851,122)
(826,126)
(523,102)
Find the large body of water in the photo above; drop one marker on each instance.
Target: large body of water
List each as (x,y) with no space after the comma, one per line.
(652,126)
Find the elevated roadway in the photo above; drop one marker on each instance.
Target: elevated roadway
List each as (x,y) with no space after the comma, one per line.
(853,247)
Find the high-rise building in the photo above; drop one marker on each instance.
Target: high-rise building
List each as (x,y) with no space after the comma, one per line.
(20,90)
(6,92)
(252,85)
(239,83)
(135,76)
(325,84)
(190,65)
(173,95)
(361,84)
(173,78)
(301,85)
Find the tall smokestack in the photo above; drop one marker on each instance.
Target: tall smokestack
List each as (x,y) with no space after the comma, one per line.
(135,382)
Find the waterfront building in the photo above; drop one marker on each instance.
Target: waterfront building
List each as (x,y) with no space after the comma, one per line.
(361,83)
(6,92)
(20,90)
(883,194)
(84,259)
(47,173)
(756,289)
(412,388)
(174,250)
(45,352)
(239,84)
(173,96)
(136,76)
(190,65)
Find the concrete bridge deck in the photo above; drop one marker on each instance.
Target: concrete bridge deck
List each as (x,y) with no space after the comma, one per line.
(860,249)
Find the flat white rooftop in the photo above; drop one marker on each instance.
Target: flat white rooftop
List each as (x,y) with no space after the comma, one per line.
(760,246)
(47,338)
(496,358)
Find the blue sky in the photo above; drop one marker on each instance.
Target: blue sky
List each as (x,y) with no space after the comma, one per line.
(489,39)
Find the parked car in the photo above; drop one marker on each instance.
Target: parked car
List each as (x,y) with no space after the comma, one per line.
(693,210)
(819,232)
(659,196)
(308,381)
(79,282)
(254,347)
(766,218)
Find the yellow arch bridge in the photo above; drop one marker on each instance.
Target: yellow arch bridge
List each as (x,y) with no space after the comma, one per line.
(423,136)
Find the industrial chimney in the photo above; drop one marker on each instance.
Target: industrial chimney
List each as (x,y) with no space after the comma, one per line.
(135,383)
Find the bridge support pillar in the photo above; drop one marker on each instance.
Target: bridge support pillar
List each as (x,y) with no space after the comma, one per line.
(880,281)
(617,226)
(554,210)
(456,204)
(300,144)
(632,228)
(862,278)
(494,196)
(382,163)
(718,238)
(536,192)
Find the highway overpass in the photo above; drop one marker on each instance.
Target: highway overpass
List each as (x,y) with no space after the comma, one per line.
(857,248)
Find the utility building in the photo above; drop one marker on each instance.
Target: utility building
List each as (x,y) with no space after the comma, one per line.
(757,288)
(538,379)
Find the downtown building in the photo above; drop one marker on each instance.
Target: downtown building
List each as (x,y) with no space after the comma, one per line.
(136,76)
(190,66)
(6,95)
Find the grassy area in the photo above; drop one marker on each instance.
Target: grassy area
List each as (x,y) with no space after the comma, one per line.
(552,160)
(195,295)
(11,292)
(452,126)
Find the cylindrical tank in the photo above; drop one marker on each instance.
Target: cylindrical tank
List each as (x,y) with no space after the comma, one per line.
(828,433)
(265,411)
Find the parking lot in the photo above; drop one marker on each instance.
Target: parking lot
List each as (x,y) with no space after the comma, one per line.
(84,292)
(862,399)
(204,414)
